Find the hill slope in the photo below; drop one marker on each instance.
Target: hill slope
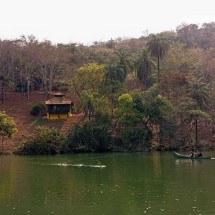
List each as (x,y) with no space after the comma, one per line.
(17,106)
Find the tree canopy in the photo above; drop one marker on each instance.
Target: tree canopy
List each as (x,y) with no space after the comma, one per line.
(7,126)
(145,85)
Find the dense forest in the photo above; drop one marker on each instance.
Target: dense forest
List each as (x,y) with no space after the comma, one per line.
(154,92)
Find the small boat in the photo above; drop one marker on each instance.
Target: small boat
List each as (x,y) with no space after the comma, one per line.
(188,156)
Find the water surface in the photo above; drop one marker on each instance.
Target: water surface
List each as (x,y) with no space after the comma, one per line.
(139,183)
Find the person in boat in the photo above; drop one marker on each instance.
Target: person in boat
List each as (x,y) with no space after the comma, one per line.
(198,153)
(192,154)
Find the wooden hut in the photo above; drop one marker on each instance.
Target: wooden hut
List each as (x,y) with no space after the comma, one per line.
(59,107)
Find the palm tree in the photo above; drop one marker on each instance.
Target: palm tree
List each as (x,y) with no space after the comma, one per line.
(115,76)
(116,73)
(158,47)
(144,66)
(124,60)
(189,111)
(199,91)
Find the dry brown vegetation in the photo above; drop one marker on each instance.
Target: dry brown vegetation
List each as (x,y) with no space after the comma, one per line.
(18,106)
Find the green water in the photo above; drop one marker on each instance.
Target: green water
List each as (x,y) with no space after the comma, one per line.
(143,183)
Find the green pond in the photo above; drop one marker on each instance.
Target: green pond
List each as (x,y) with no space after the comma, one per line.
(137,183)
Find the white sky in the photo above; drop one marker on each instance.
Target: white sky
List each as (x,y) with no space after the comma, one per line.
(85,21)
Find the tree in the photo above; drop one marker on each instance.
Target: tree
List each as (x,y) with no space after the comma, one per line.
(7,126)
(124,110)
(155,106)
(195,115)
(113,83)
(94,104)
(51,60)
(144,66)
(189,112)
(133,130)
(110,43)
(87,101)
(199,91)
(156,111)
(43,141)
(124,60)
(140,114)
(88,77)
(27,61)
(4,82)
(182,59)
(192,34)
(158,47)
(8,59)
(187,33)
(115,72)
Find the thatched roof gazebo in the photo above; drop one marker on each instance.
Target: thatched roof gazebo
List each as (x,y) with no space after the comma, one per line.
(59,107)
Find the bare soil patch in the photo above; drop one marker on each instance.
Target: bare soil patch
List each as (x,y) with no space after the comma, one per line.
(17,106)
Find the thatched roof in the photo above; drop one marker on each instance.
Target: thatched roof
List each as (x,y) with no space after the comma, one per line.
(58,99)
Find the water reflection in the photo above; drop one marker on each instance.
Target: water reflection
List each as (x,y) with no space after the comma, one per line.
(139,183)
(190,162)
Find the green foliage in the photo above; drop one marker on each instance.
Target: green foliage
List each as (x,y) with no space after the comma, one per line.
(125,113)
(103,119)
(44,141)
(189,110)
(126,100)
(113,84)
(125,60)
(116,73)
(199,91)
(199,113)
(38,109)
(155,106)
(136,113)
(102,77)
(144,66)
(94,103)
(89,137)
(158,47)
(87,100)
(134,132)
(7,125)
(168,137)
(150,110)
(136,138)
(88,77)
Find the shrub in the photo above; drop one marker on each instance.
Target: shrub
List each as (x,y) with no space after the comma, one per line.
(89,137)
(135,138)
(38,109)
(102,119)
(45,141)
